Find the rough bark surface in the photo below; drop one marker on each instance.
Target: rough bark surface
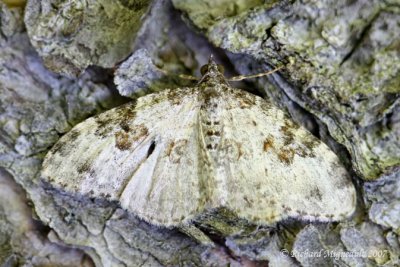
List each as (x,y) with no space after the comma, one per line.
(71,35)
(340,80)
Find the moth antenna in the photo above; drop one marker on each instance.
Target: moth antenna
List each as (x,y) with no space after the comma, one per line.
(188,77)
(242,77)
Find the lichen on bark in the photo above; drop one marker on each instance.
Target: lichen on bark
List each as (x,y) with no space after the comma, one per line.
(72,35)
(341,81)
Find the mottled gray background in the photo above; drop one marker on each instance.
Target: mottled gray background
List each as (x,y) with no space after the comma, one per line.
(62,61)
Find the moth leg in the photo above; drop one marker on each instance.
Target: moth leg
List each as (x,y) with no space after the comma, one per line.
(181,76)
(195,233)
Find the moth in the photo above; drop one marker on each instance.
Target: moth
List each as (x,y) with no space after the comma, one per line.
(173,155)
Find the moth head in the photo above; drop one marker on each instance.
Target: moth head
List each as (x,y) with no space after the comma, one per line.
(212,72)
(212,67)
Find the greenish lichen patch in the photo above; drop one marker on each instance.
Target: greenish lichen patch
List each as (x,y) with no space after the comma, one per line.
(206,13)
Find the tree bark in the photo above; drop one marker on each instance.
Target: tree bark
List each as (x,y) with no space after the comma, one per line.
(64,61)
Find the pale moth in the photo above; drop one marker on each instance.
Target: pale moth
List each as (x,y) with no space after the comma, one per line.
(173,155)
